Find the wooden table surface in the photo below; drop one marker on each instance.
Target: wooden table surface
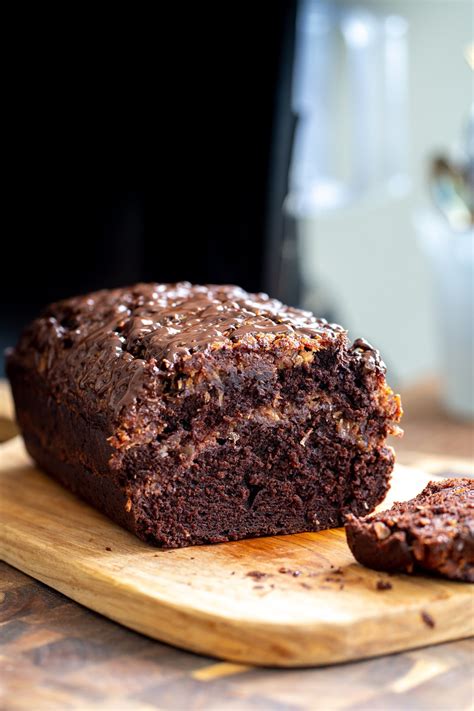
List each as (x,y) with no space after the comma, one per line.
(55,654)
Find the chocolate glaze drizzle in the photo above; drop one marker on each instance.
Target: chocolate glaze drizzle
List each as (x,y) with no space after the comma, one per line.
(165,322)
(109,338)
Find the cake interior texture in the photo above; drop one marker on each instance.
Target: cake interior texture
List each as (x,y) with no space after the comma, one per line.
(203,414)
(432,533)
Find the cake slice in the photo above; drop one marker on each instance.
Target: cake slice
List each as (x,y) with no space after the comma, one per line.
(201,414)
(432,533)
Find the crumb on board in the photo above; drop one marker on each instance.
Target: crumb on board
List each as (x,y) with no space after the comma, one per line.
(107,548)
(383,585)
(427,619)
(256,574)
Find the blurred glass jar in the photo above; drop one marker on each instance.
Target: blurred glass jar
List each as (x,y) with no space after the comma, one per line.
(350,100)
(451,255)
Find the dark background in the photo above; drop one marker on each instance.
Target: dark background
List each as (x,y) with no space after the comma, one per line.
(151,148)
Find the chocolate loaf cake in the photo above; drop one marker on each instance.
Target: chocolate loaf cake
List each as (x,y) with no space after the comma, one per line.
(432,533)
(199,414)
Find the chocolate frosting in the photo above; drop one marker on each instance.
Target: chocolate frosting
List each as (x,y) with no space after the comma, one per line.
(111,338)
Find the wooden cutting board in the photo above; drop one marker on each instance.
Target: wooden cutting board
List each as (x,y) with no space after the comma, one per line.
(286,601)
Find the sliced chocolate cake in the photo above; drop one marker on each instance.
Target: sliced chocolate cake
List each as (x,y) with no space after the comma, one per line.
(200,414)
(432,533)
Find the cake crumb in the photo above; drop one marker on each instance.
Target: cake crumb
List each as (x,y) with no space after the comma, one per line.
(256,574)
(383,585)
(427,619)
(107,548)
(289,571)
(306,586)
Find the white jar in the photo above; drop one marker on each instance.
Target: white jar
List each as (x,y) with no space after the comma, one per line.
(451,255)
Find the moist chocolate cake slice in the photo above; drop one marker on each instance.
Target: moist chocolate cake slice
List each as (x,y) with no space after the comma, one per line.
(432,533)
(200,414)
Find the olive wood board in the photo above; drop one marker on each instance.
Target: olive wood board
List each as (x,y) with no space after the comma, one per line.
(298,600)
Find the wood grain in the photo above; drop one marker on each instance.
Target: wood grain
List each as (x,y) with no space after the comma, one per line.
(286,601)
(57,655)
(8,428)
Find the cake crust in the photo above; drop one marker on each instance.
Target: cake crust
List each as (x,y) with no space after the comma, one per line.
(194,414)
(432,533)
